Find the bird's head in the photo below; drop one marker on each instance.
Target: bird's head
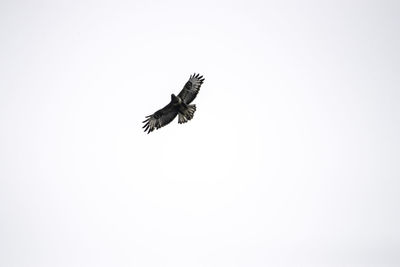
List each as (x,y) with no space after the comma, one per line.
(175,99)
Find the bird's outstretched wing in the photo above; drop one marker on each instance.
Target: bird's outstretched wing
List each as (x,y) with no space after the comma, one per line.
(191,88)
(160,118)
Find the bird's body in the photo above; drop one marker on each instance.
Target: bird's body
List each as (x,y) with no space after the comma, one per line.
(178,106)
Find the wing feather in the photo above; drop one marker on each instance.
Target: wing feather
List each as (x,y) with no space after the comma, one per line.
(160,118)
(191,88)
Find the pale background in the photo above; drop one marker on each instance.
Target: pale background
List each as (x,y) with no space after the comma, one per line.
(292,158)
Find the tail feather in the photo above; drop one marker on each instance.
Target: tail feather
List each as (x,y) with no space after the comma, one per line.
(187,114)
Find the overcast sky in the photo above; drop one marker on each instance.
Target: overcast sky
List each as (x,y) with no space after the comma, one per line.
(292,158)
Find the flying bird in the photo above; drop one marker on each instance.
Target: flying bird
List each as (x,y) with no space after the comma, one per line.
(178,106)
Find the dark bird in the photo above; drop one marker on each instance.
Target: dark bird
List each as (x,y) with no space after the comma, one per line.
(179,105)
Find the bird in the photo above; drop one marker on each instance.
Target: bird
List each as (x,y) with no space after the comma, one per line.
(178,106)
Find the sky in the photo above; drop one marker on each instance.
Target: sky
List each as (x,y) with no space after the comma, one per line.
(292,158)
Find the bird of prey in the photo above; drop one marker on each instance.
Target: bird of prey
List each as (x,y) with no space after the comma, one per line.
(179,105)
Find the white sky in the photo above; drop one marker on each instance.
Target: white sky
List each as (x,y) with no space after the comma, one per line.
(292,158)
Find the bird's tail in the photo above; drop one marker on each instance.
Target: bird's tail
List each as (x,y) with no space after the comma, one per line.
(187,114)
